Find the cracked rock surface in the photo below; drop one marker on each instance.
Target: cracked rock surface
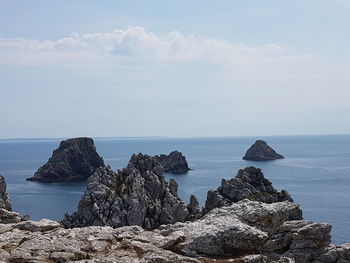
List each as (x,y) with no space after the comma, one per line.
(136,195)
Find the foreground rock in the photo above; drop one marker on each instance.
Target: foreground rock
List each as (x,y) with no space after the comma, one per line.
(4,198)
(75,159)
(249,183)
(136,195)
(247,231)
(174,163)
(261,151)
(6,213)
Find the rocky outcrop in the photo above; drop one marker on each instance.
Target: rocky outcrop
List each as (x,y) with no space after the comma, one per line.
(75,159)
(261,151)
(135,195)
(4,198)
(245,232)
(249,183)
(175,162)
(242,232)
(6,214)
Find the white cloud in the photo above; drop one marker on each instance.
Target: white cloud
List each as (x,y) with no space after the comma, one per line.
(132,43)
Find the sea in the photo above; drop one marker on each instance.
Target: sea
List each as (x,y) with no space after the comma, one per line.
(315,171)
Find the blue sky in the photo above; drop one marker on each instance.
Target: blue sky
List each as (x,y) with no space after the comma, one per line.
(174,68)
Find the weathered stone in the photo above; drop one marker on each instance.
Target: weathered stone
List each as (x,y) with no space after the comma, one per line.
(75,159)
(42,225)
(193,206)
(237,233)
(136,195)
(249,183)
(4,199)
(261,151)
(174,163)
(7,217)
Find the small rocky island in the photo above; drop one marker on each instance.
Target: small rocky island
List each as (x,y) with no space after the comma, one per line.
(75,159)
(175,163)
(261,151)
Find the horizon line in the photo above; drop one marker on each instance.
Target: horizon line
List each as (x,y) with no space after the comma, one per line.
(170,137)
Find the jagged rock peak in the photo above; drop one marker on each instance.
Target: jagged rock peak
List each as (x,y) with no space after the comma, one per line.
(175,162)
(136,195)
(4,198)
(144,162)
(75,159)
(249,183)
(261,151)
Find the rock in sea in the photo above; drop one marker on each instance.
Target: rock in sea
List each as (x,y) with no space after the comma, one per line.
(249,183)
(75,159)
(261,151)
(136,195)
(175,162)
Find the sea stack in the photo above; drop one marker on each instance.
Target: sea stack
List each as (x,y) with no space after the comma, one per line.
(75,159)
(175,163)
(261,151)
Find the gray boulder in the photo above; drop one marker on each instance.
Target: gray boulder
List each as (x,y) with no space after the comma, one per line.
(249,183)
(175,162)
(136,195)
(75,159)
(261,151)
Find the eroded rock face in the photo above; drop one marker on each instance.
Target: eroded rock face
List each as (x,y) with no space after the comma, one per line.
(261,151)
(249,183)
(175,162)
(245,232)
(75,159)
(4,198)
(136,195)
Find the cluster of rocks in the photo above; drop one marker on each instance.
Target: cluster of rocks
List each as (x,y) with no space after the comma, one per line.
(136,195)
(249,183)
(175,162)
(135,215)
(261,151)
(244,232)
(75,159)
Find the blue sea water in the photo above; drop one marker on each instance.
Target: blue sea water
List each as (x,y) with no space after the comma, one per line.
(316,172)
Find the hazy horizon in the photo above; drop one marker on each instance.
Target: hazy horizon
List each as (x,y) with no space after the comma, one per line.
(174,69)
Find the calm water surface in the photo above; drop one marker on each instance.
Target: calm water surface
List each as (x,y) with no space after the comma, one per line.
(316,172)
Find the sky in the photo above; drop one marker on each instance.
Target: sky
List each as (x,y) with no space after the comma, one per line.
(182,68)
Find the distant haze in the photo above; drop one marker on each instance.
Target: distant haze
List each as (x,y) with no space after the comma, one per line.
(174,68)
